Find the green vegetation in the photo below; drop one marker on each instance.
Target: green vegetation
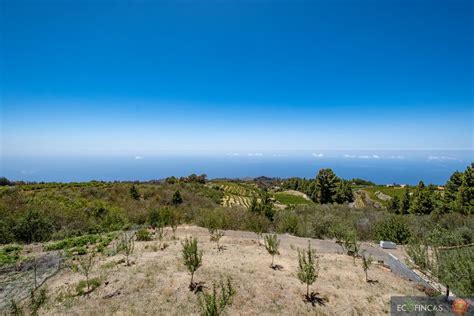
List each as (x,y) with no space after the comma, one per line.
(290,199)
(10,254)
(213,304)
(143,235)
(84,287)
(308,268)
(366,263)
(192,257)
(272,243)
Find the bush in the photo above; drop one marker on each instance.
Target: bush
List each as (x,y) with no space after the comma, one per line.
(143,235)
(192,257)
(393,229)
(272,243)
(213,304)
(308,267)
(82,287)
(33,227)
(10,254)
(6,234)
(287,222)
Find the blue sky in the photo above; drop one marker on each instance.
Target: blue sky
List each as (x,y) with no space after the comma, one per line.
(147,77)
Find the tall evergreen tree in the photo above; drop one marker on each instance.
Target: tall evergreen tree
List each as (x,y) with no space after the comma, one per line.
(422,200)
(464,202)
(406,201)
(394,204)
(326,182)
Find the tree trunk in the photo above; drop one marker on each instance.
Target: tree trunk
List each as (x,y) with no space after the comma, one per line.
(273,257)
(447,291)
(192,278)
(307,290)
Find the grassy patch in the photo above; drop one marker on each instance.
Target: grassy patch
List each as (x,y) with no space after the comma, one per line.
(287,199)
(79,244)
(81,287)
(10,254)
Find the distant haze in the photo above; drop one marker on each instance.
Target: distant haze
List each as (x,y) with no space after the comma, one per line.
(403,167)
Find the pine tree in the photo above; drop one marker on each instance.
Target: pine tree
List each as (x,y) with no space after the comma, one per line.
(272,243)
(394,204)
(325,186)
(308,267)
(406,201)
(464,202)
(192,257)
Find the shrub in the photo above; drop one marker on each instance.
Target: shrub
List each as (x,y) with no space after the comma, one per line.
(213,304)
(272,243)
(143,235)
(84,287)
(176,199)
(33,227)
(10,254)
(393,229)
(192,257)
(6,234)
(215,221)
(308,268)
(86,263)
(366,263)
(37,299)
(127,245)
(287,222)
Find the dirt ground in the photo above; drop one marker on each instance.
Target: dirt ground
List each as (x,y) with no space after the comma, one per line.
(157,282)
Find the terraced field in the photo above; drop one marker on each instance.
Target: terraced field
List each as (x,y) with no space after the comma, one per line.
(236,194)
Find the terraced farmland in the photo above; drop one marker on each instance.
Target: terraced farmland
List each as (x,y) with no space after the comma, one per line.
(236,194)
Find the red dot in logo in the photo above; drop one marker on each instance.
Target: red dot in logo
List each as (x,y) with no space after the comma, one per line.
(459,307)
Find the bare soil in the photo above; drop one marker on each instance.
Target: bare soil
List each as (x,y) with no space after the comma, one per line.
(157,282)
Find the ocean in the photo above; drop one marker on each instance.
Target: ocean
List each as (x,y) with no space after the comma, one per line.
(383,167)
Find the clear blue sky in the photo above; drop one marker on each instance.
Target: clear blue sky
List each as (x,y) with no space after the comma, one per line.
(113,77)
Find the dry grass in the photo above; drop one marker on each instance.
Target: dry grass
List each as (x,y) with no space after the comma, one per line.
(157,282)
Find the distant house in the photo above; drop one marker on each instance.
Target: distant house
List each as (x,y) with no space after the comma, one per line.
(389,185)
(440,188)
(402,185)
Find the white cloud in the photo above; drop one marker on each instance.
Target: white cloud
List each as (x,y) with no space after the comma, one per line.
(139,157)
(317,155)
(233,154)
(396,157)
(442,158)
(361,156)
(255,154)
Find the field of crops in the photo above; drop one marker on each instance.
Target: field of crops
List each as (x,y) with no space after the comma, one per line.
(289,199)
(236,194)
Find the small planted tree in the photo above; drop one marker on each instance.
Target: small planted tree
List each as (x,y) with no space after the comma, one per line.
(86,263)
(127,245)
(366,263)
(213,304)
(192,257)
(308,268)
(352,246)
(216,234)
(272,243)
(214,222)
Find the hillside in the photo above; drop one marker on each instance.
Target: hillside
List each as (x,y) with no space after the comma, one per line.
(157,281)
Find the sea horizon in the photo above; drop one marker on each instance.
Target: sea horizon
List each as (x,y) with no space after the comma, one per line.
(379,166)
